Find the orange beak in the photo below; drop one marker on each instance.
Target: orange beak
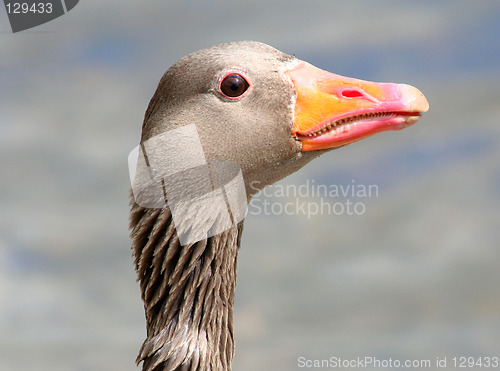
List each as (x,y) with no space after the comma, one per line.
(333,111)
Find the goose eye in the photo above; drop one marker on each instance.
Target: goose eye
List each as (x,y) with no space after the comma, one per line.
(233,85)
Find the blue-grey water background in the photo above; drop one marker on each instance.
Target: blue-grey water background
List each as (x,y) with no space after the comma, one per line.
(417,276)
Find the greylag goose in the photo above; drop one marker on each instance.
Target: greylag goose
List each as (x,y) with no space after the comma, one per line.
(225,122)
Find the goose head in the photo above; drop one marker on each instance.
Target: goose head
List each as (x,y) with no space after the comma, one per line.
(271,113)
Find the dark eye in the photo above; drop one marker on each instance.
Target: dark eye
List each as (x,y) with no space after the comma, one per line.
(233,85)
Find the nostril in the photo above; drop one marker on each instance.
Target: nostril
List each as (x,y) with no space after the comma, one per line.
(351,93)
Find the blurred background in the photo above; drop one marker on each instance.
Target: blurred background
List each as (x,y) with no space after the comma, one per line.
(416,276)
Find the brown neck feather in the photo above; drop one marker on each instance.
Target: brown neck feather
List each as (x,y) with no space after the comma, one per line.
(188,294)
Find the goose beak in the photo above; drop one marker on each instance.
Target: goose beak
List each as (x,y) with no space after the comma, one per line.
(333,111)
